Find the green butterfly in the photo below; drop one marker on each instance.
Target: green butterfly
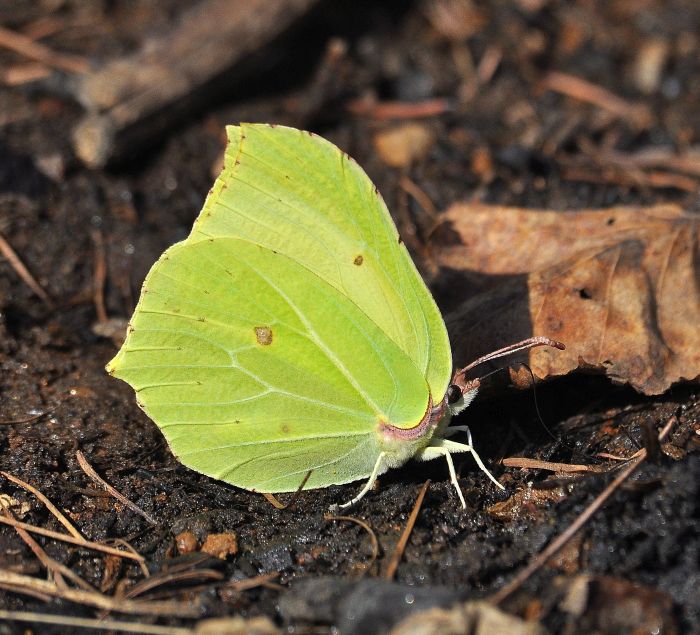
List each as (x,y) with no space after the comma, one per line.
(290,334)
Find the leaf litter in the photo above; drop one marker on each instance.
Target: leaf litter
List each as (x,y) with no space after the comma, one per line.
(620,287)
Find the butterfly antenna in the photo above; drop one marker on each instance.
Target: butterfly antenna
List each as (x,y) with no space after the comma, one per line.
(534,395)
(530,342)
(537,405)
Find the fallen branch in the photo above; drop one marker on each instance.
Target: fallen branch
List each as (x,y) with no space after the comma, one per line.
(132,99)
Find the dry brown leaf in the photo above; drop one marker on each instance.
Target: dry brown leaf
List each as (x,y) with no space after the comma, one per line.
(620,287)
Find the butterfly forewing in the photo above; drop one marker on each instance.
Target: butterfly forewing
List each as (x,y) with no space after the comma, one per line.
(297,194)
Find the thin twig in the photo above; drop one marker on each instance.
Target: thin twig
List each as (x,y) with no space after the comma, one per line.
(488,64)
(403,541)
(86,622)
(49,505)
(127,545)
(583,90)
(420,196)
(398,109)
(17,264)
(535,464)
(277,505)
(34,50)
(13,588)
(97,600)
(651,157)
(19,74)
(57,569)
(88,469)
(613,457)
(48,562)
(250,583)
(155,581)
(52,24)
(372,537)
(630,178)
(543,557)
(270,498)
(31,419)
(84,544)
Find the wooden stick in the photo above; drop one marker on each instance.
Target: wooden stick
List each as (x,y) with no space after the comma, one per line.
(132,99)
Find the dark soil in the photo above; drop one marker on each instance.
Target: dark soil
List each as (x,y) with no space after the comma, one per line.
(51,359)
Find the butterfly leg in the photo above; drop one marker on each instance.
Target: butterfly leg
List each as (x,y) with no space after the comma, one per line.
(434,451)
(443,447)
(452,430)
(368,485)
(463,447)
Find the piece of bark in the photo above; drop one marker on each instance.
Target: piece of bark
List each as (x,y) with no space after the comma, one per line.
(131,100)
(620,287)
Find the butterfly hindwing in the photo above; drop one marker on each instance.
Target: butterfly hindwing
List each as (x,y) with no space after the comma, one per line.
(258,371)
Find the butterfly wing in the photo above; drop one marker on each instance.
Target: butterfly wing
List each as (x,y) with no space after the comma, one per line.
(298,194)
(258,370)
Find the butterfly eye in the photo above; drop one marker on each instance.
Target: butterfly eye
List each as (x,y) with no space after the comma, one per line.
(454,393)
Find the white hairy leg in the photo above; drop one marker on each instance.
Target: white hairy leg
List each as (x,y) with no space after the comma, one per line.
(368,485)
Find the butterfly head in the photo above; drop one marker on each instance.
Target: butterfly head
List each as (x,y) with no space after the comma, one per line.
(460,394)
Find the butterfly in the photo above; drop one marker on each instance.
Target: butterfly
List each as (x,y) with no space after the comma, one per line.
(291,335)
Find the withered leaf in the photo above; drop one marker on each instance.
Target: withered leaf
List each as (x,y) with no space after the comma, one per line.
(620,287)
